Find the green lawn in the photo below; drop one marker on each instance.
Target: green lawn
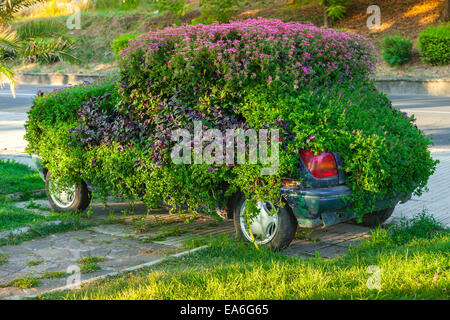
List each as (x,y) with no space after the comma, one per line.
(413,259)
(12,217)
(17,177)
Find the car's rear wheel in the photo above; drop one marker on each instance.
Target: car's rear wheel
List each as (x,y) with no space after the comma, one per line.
(71,199)
(376,218)
(275,230)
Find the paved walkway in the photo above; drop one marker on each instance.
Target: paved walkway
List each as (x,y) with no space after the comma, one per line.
(437,200)
(120,241)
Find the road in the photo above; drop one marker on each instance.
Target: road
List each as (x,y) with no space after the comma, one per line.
(13,116)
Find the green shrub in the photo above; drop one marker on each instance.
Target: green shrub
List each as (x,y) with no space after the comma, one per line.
(60,106)
(396,50)
(217,10)
(434,44)
(336,9)
(175,7)
(121,42)
(309,82)
(115,4)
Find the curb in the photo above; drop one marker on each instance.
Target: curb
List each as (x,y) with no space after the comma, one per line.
(55,79)
(413,86)
(399,86)
(22,230)
(111,274)
(17,195)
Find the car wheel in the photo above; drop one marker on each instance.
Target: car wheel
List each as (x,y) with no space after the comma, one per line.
(376,218)
(276,231)
(75,198)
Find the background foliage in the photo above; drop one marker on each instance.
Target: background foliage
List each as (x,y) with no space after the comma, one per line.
(434,44)
(396,50)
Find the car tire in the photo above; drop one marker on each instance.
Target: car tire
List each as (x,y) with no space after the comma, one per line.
(281,234)
(376,218)
(77,199)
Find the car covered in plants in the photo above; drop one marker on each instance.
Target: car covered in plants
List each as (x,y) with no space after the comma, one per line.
(342,152)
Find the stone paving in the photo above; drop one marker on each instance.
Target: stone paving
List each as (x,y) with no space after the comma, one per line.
(436,201)
(123,242)
(327,242)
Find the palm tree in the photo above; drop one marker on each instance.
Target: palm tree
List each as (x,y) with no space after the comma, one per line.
(9,42)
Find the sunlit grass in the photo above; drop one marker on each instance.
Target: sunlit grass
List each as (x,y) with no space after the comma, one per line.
(58,8)
(53,8)
(17,177)
(12,217)
(412,258)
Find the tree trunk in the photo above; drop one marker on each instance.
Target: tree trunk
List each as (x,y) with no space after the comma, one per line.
(325,14)
(446,13)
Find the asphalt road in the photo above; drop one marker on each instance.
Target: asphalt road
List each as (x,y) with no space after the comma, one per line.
(22,102)
(432,114)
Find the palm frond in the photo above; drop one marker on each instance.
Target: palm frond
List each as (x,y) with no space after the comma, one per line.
(48,50)
(7,76)
(8,40)
(10,7)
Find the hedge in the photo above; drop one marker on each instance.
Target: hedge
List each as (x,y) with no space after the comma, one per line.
(434,44)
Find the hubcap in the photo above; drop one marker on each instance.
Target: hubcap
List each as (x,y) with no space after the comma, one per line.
(263,227)
(62,199)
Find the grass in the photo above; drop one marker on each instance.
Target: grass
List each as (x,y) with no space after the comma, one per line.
(33,263)
(412,257)
(3,258)
(23,283)
(54,275)
(32,282)
(42,230)
(17,177)
(101,25)
(12,217)
(89,264)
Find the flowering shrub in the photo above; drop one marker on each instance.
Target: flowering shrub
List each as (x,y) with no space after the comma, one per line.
(121,42)
(234,56)
(309,82)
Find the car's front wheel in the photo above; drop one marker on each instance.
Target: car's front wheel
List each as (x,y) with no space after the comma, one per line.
(71,199)
(272,227)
